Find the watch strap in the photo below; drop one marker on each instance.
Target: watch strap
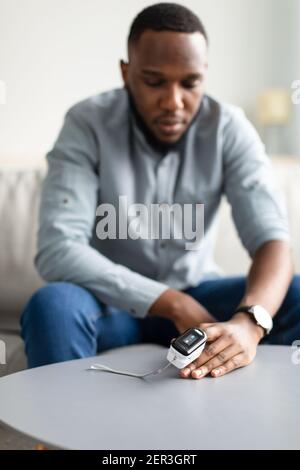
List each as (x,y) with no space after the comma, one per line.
(244,309)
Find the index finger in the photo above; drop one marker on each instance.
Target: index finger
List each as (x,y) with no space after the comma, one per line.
(213,330)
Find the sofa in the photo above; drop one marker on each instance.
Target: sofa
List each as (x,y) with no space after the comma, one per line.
(19,202)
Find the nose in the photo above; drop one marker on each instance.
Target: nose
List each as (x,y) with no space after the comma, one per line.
(172,99)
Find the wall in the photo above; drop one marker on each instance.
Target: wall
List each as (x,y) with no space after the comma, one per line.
(56,52)
(295,64)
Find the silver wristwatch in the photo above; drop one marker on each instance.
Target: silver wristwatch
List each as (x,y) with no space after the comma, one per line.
(260,315)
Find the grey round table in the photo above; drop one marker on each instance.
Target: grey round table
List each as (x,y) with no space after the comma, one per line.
(66,406)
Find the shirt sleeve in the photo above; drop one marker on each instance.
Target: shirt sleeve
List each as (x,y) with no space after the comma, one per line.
(257,205)
(66,221)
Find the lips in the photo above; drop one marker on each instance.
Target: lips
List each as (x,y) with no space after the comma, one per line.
(170,126)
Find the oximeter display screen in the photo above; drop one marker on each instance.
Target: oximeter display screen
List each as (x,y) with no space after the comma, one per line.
(189,341)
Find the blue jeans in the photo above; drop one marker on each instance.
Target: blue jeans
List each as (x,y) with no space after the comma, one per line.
(63,321)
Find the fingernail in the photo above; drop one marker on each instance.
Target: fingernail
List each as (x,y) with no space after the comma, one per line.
(192,366)
(198,373)
(217,372)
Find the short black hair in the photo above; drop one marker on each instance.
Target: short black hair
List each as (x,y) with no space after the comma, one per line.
(165,17)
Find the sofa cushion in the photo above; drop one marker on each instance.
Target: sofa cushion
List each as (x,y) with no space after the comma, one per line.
(19,201)
(15,355)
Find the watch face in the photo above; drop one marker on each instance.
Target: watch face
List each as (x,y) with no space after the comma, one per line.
(189,341)
(262,317)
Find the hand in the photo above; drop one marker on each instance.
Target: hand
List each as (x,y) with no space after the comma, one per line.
(181,308)
(231,344)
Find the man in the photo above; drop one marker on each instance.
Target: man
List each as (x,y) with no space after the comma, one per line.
(159,140)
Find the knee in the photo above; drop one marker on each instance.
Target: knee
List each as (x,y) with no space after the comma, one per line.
(54,302)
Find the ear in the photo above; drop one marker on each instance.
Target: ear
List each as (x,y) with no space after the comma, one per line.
(124,71)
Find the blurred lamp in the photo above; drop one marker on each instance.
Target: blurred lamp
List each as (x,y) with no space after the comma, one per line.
(274,110)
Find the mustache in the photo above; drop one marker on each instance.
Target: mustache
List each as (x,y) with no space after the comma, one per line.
(165,118)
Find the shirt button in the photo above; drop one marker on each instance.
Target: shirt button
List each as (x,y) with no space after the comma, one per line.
(132,310)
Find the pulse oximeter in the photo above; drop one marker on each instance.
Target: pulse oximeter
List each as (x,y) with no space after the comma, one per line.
(183,350)
(187,347)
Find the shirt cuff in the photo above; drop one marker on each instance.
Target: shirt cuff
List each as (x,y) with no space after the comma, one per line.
(139,293)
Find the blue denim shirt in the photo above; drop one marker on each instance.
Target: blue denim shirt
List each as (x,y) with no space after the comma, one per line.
(101,154)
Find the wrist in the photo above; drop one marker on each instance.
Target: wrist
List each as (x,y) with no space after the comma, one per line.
(246,319)
(259,315)
(167,305)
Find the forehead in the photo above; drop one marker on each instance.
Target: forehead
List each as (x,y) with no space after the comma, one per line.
(161,49)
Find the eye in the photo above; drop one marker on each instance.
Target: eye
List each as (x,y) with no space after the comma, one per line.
(191,83)
(154,83)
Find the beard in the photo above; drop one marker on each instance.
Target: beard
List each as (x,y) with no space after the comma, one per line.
(157,144)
